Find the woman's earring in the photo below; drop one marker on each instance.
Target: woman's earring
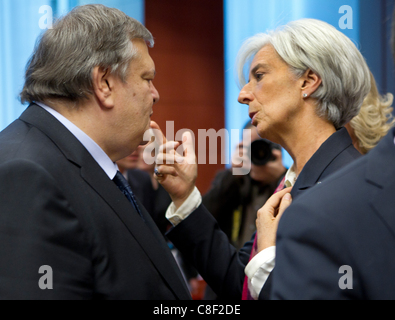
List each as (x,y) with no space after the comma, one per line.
(304,95)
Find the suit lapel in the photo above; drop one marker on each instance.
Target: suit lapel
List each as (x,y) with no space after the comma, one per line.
(321,159)
(380,174)
(383,203)
(146,234)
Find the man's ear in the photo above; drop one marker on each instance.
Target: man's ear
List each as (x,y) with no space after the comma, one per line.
(310,83)
(103,87)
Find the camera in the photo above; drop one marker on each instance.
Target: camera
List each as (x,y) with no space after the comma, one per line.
(261,151)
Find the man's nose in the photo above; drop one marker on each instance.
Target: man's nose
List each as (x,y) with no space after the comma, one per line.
(155,94)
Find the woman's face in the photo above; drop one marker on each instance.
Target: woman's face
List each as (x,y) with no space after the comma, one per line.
(273,94)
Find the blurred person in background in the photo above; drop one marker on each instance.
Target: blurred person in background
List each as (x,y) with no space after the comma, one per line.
(234,200)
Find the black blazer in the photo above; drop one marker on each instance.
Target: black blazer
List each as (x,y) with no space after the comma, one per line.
(335,153)
(348,220)
(200,239)
(59,208)
(141,184)
(229,193)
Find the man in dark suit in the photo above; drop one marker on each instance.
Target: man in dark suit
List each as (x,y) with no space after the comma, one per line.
(66,230)
(139,180)
(337,241)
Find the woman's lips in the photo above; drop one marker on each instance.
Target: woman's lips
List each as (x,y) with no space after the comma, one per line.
(252,116)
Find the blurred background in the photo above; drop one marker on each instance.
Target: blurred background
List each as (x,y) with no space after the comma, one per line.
(196,42)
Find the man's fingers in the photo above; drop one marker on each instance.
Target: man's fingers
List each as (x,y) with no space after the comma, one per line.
(159,136)
(165,158)
(163,170)
(169,147)
(188,145)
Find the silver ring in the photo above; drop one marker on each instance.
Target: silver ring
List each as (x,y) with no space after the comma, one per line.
(156,171)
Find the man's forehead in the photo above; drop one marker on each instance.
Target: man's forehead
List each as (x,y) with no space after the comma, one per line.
(143,60)
(141,49)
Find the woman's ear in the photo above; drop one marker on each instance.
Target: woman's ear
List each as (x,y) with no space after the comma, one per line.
(103,87)
(310,83)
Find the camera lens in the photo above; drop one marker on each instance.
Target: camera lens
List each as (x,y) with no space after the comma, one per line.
(261,152)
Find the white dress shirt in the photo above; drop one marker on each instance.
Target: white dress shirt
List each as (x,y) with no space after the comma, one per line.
(260,267)
(104,161)
(190,204)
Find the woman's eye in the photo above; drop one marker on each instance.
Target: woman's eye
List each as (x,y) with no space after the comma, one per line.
(259,76)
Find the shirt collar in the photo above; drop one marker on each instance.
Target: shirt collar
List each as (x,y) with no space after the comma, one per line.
(290,177)
(104,161)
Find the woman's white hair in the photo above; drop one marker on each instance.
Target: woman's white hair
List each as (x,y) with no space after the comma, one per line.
(313,44)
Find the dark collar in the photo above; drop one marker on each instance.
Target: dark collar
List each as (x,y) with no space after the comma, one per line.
(69,145)
(318,165)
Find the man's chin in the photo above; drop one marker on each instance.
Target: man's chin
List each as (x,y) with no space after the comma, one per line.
(144,142)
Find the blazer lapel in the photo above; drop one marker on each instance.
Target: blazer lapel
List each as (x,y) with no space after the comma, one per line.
(322,158)
(146,234)
(380,174)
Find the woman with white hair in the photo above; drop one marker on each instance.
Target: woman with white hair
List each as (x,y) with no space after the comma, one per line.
(302,83)
(305,81)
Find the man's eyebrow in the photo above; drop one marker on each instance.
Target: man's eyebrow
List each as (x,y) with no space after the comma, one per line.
(151,72)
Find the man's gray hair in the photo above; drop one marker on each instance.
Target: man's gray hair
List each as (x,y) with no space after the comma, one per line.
(64,57)
(312,44)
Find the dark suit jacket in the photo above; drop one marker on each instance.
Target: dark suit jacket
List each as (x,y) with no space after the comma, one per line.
(348,220)
(155,202)
(229,193)
(59,208)
(141,184)
(200,239)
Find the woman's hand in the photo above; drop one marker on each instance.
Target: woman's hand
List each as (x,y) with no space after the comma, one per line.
(269,216)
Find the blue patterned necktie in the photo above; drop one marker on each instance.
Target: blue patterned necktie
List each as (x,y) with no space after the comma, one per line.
(124,186)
